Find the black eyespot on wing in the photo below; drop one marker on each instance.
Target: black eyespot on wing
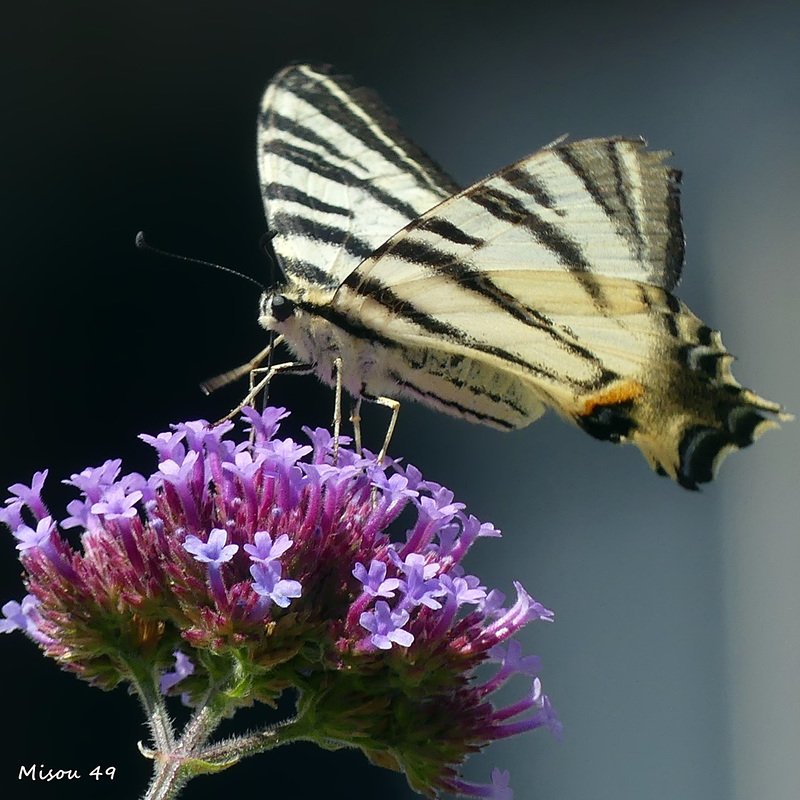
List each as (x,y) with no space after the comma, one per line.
(609,423)
(282,307)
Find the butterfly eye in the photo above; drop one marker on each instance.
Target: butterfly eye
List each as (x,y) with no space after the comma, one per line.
(282,307)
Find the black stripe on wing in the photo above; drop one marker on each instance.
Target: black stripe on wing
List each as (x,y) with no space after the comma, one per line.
(308,273)
(315,86)
(291,194)
(272,120)
(655,233)
(566,250)
(406,310)
(624,200)
(583,173)
(675,251)
(309,228)
(423,394)
(440,262)
(446,230)
(525,182)
(315,163)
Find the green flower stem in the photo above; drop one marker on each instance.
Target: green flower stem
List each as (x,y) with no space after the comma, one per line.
(186,759)
(145,684)
(291,730)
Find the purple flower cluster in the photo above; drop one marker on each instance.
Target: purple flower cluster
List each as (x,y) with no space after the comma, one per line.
(267,564)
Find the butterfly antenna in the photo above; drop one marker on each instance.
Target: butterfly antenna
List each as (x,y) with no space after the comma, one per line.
(265,243)
(212,384)
(276,274)
(147,247)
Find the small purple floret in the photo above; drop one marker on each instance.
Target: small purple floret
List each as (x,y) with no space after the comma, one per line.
(28,538)
(183,668)
(265,550)
(386,626)
(267,582)
(214,551)
(375,582)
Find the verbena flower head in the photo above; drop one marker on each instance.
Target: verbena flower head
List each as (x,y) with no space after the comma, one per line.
(240,569)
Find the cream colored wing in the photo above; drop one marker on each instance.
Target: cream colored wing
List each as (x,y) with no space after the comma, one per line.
(548,284)
(338,178)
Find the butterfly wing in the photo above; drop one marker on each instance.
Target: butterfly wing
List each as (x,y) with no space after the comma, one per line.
(337,176)
(548,284)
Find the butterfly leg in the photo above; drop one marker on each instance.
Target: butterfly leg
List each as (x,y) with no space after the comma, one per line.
(294,367)
(218,381)
(289,367)
(355,419)
(394,405)
(337,407)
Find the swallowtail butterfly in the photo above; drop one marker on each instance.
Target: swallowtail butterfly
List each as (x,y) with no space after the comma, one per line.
(546,285)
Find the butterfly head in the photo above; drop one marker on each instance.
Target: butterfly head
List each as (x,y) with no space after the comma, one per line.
(278,306)
(292,312)
(276,310)
(293,306)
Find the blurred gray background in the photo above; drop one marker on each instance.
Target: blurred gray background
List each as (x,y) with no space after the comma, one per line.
(674,660)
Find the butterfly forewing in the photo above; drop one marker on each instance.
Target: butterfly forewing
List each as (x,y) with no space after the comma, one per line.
(337,176)
(545,284)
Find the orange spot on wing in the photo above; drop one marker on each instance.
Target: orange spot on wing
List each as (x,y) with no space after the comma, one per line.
(620,393)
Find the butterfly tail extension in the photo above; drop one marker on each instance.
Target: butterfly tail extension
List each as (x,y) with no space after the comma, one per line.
(688,411)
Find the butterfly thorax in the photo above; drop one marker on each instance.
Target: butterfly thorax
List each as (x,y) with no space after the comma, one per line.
(313,331)
(320,326)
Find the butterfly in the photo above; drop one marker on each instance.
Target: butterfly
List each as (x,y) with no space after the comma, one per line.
(545,285)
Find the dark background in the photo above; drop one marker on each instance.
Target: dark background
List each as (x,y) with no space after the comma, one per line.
(674,659)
